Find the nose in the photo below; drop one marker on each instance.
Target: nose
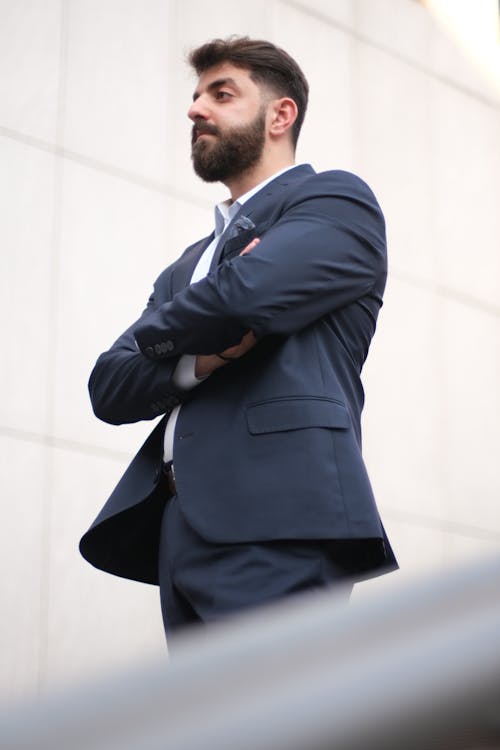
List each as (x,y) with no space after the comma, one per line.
(198,109)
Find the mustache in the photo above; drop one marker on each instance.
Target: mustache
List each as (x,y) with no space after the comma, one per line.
(201,128)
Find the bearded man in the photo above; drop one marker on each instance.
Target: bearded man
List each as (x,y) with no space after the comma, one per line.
(252,486)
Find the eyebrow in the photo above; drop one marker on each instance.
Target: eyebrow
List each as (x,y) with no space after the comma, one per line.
(217,84)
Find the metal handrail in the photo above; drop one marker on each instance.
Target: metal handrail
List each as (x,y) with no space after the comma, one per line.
(417,666)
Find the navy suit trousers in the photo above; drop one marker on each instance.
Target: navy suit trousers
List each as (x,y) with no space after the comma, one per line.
(202,582)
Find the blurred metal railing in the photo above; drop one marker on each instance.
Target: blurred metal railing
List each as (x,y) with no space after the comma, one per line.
(410,669)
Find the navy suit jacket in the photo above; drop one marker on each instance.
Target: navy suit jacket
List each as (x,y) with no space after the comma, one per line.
(267,447)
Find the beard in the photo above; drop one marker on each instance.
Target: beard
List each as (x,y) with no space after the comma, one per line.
(231,152)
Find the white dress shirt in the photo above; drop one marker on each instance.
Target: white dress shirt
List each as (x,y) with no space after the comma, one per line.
(184,374)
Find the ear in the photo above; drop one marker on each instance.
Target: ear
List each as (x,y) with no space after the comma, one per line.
(282,114)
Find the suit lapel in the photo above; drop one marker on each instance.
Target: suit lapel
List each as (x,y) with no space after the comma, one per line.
(240,231)
(234,245)
(257,209)
(183,270)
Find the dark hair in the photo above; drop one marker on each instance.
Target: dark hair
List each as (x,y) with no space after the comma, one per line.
(267,63)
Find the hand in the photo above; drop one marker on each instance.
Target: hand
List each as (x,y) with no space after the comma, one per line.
(250,246)
(206,364)
(235,352)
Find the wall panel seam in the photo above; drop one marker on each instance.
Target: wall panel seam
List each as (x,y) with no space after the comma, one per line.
(446,292)
(52,441)
(440,524)
(106,168)
(408,61)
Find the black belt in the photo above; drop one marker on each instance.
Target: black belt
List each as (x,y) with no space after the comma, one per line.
(168,470)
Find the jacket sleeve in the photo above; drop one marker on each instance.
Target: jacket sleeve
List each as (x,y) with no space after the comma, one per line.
(326,250)
(126,387)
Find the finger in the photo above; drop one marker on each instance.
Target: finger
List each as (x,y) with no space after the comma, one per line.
(250,246)
(247,342)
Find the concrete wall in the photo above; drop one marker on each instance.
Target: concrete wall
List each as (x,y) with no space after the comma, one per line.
(97,197)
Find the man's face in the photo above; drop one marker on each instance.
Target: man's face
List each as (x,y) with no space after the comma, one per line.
(229,123)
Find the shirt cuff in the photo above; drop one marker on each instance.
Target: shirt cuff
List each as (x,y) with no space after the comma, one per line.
(183,376)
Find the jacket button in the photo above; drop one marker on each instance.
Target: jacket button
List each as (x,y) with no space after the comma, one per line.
(162,348)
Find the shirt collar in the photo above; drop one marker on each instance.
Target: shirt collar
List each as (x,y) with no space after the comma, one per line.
(224,213)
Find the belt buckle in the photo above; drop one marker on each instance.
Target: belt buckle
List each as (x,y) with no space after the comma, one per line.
(168,470)
(168,467)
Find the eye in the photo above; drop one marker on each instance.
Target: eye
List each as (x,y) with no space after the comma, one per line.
(221,95)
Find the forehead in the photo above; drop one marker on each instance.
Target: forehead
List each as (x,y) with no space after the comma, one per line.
(225,72)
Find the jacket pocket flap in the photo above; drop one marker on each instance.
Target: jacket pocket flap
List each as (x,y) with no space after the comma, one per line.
(284,414)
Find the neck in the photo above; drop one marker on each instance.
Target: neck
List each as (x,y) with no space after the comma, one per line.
(252,177)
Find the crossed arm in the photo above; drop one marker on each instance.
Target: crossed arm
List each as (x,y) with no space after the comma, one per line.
(206,364)
(326,251)
(125,386)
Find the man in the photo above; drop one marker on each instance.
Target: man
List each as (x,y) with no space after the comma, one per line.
(252,485)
